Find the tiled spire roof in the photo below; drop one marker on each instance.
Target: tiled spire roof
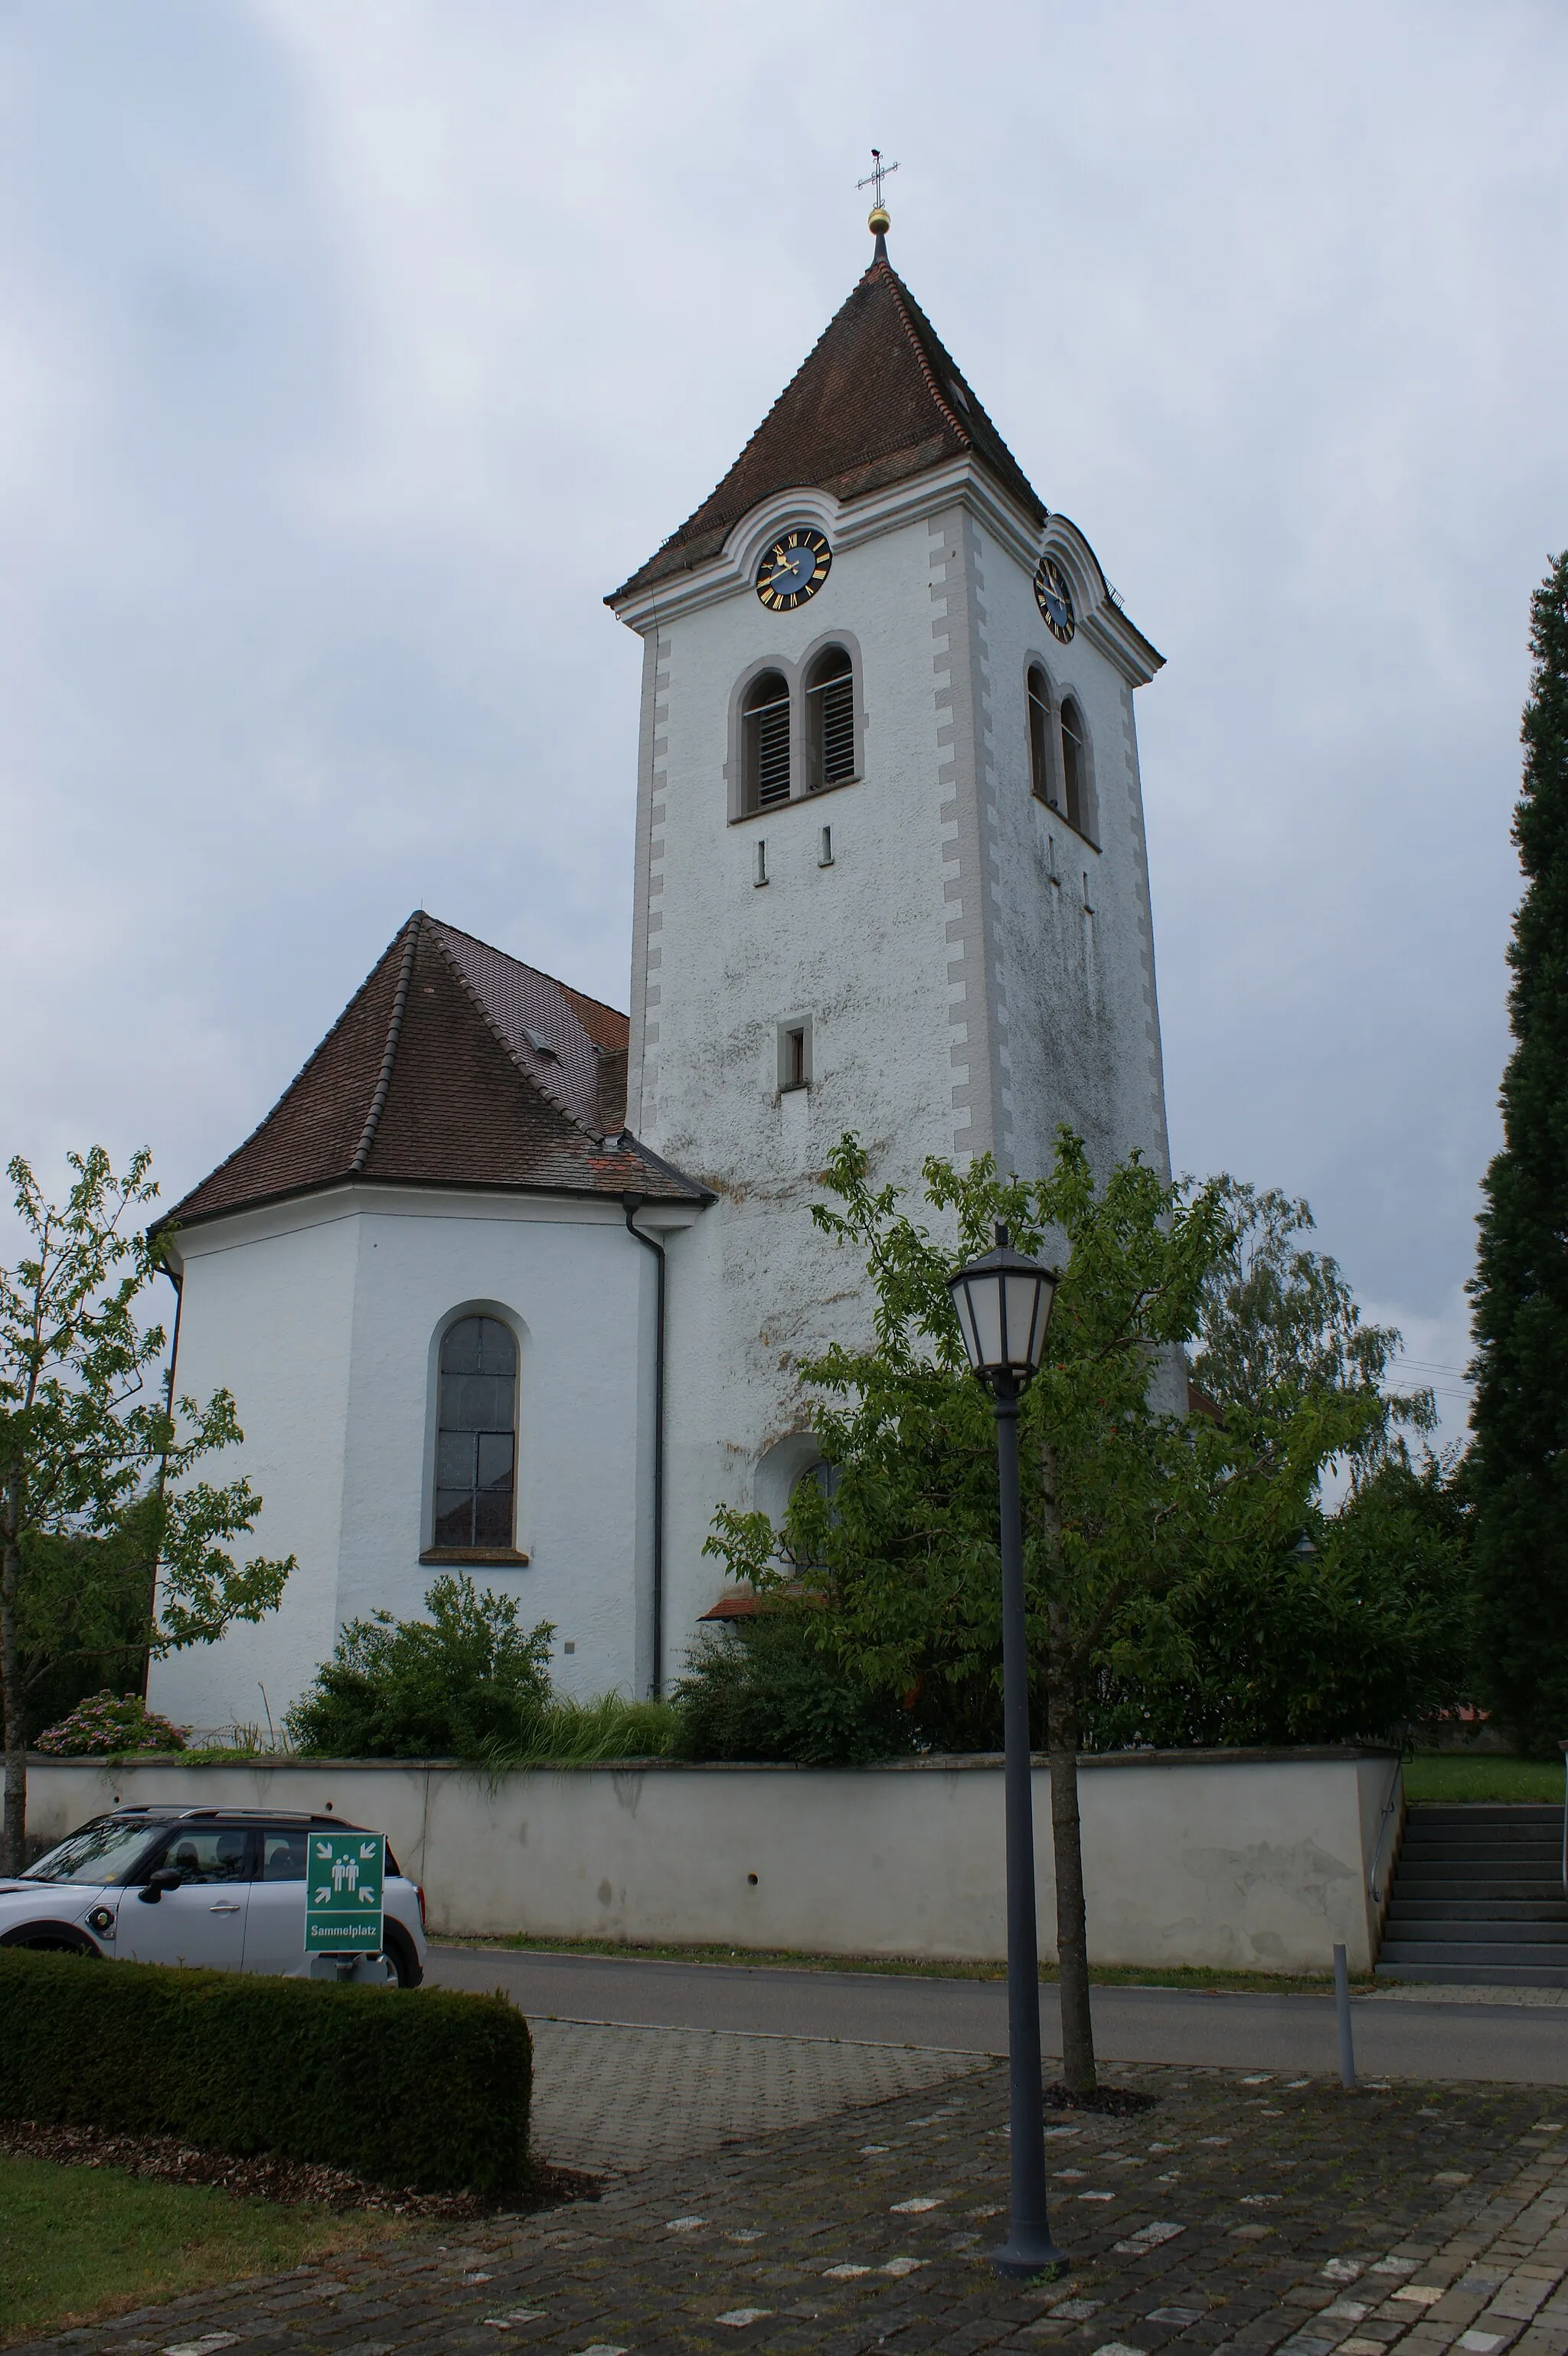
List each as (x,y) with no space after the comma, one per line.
(880,399)
(452,1064)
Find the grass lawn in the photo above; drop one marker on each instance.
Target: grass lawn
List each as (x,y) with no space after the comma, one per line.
(80,2244)
(1457,1776)
(1213,1983)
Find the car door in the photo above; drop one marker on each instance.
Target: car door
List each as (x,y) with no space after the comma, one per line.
(275,1918)
(203,1921)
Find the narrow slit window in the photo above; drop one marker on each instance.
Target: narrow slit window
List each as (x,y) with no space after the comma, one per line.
(1041,768)
(476,1438)
(795,1074)
(765,722)
(831,718)
(1075,767)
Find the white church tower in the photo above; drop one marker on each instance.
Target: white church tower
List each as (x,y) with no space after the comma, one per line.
(890,867)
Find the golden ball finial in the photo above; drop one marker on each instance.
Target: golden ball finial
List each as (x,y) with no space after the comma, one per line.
(878,220)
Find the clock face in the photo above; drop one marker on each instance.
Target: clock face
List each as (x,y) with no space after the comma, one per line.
(794,568)
(1055,598)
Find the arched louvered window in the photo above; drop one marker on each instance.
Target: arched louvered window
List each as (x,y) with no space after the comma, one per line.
(831,718)
(1075,768)
(765,725)
(476,1437)
(1041,756)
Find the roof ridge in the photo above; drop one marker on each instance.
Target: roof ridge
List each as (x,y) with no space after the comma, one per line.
(412,931)
(762,426)
(284,1093)
(902,299)
(535,1079)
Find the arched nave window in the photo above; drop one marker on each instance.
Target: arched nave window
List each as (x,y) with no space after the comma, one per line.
(765,726)
(476,1435)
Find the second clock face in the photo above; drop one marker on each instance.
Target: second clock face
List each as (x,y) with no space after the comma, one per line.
(1055,598)
(794,568)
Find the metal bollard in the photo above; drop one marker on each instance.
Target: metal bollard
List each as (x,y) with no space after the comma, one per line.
(1343,2009)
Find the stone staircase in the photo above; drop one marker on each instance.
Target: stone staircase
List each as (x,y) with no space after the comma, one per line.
(1478,1898)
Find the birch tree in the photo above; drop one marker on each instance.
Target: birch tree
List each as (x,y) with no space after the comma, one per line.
(93,1448)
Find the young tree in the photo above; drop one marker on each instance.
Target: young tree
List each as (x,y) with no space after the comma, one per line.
(1122,1499)
(1277,1320)
(95,1455)
(1519,1466)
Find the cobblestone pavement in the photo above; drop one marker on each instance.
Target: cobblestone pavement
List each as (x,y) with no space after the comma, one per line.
(1246,2213)
(612,2097)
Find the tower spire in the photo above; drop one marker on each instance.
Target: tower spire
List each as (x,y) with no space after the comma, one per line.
(878,220)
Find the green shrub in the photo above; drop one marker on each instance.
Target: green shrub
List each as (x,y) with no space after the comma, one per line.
(107,1724)
(427,2093)
(764,1688)
(455,1686)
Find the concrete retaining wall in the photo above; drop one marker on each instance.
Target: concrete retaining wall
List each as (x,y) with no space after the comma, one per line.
(1254,1860)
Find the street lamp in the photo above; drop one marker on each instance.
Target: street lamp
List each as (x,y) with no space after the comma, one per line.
(1004,1303)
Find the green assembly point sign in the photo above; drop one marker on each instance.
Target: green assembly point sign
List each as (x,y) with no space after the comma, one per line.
(343,1894)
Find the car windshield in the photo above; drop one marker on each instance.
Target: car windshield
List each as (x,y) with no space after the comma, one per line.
(103,1851)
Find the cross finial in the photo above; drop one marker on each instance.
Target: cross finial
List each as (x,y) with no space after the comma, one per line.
(878,221)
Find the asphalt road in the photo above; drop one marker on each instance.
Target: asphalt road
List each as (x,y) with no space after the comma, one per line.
(1401,2039)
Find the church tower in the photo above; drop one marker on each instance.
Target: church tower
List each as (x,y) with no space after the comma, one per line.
(890,867)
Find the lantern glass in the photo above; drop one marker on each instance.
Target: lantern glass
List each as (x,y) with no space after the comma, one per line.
(1004,1303)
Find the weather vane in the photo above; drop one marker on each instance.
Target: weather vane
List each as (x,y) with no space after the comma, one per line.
(878,221)
(876,175)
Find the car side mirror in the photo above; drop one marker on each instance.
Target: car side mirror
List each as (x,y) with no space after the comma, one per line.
(167,1877)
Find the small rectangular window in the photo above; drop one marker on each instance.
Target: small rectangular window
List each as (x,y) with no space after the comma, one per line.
(795,1053)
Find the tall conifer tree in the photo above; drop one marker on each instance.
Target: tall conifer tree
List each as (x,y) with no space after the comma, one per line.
(1519,1471)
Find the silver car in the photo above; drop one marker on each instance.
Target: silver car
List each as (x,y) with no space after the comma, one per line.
(222,1888)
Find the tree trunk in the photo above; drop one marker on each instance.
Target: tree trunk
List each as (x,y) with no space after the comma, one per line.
(13,1838)
(1067,1849)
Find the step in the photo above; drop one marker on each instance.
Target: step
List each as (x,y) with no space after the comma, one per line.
(1532,1823)
(1528,1932)
(1529,1862)
(1478,1974)
(1470,1812)
(1463,1844)
(1479,1951)
(1418,1906)
(1519,1864)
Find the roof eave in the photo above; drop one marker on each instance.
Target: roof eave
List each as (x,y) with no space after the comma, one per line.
(848,522)
(677,1191)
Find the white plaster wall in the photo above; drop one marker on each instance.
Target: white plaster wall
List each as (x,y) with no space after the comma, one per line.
(321,1318)
(1074,976)
(271,1321)
(960,1001)
(1245,1861)
(859,946)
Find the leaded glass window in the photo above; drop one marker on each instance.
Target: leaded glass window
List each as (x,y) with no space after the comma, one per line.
(477,1439)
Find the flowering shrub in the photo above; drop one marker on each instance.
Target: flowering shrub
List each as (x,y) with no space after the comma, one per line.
(107,1723)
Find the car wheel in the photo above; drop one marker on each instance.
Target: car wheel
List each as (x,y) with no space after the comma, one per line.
(50,1939)
(399,1950)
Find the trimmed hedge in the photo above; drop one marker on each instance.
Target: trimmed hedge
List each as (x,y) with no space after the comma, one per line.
(427,2093)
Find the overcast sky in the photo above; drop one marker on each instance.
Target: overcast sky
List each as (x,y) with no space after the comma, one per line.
(350,352)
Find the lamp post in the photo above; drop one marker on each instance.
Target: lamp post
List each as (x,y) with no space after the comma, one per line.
(1004,1304)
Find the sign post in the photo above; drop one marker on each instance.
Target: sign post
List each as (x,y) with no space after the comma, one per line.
(344,1883)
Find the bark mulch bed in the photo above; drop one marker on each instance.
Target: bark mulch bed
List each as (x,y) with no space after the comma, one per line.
(264,2177)
(1110,2102)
